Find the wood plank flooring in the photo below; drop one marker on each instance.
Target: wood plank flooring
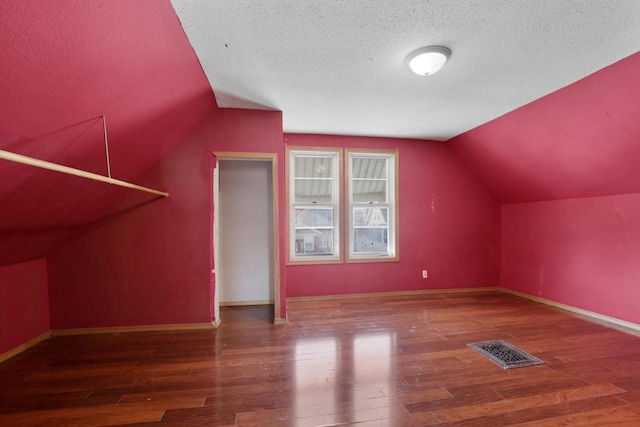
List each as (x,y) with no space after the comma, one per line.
(374,361)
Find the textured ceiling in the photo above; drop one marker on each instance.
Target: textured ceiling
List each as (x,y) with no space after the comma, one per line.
(337,67)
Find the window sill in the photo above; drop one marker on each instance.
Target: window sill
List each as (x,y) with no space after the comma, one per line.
(314,261)
(371,260)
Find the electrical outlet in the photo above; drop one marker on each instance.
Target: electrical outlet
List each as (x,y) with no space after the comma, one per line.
(424,274)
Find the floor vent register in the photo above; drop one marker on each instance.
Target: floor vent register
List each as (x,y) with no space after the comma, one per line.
(504,354)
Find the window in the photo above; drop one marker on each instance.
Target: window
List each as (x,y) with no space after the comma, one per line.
(371,211)
(314,180)
(314,197)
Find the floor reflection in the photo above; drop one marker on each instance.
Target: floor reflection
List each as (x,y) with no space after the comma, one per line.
(315,377)
(343,379)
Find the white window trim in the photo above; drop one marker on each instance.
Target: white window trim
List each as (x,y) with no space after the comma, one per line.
(391,203)
(336,155)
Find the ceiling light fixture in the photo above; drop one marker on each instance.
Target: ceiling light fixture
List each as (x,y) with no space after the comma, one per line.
(428,60)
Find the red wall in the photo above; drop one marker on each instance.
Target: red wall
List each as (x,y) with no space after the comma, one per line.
(449,225)
(580,252)
(151,264)
(64,65)
(580,141)
(24,303)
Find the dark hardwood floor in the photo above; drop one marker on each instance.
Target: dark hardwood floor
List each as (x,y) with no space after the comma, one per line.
(375,361)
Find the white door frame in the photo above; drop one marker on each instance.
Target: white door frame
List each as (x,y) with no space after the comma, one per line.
(269,157)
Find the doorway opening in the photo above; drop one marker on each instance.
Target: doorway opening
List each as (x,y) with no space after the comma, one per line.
(245,223)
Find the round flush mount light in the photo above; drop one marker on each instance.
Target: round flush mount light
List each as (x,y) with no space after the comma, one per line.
(428,60)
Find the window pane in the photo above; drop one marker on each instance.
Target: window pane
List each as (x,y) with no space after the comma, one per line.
(368,240)
(313,191)
(369,168)
(313,167)
(370,217)
(370,230)
(313,179)
(365,191)
(316,217)
(314,242)
(314,231)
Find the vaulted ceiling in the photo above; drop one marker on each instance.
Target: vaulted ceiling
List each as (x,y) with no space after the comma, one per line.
(580,141)
(539,98)
(554,116)
(339,67)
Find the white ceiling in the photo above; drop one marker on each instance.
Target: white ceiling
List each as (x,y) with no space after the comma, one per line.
(337,66)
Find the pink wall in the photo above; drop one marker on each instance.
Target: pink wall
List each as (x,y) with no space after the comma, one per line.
(24,303)
(580,252)
(580,141)
(449,225)
(151,264)
(64,65)
(578,149)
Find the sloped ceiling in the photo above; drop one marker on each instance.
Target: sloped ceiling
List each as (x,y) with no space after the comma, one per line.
(581,141)
(338,67)
(62,66)
(539,98)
